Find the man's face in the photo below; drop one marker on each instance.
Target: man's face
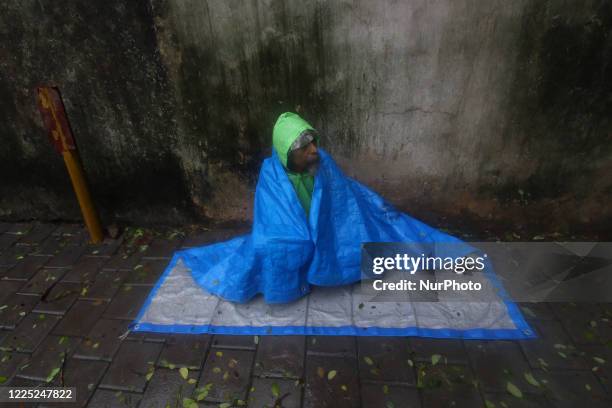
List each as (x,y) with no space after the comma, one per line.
(305,158)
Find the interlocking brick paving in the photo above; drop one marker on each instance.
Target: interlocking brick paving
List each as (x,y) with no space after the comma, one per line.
(130,366)
(167,388)
(89,294)
(268,392)
(385,359)
(49,355)
(30,332)
(184,351)
(331,382)
(80,318)
(280,357)
(103,341)
(27,268)
(14,308)
(59,298)
(229,372)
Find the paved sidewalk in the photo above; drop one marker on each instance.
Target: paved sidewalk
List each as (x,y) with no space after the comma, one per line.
(65,306)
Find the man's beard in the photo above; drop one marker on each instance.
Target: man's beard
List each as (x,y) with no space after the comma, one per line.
(313,167)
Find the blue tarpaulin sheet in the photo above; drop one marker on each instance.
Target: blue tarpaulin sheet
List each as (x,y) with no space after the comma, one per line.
(289,253)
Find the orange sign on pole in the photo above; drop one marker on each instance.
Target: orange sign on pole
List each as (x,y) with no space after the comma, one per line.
(54,117)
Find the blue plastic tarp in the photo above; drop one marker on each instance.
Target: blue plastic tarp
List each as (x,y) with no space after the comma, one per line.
(288,251)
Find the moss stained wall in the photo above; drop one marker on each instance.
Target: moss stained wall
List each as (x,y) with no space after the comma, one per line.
(488,111)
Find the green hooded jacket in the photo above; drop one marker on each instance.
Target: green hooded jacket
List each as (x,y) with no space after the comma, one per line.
(288,127)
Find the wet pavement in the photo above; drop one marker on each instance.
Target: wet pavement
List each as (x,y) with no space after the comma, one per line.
(65,306)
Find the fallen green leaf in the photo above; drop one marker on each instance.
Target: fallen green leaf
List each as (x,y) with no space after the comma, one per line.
(52,374)
(435,358)
(331,374)
(599,360)
(275,390)
(531,379)
(184,372)
(368,360)
(189,403)
(514,390)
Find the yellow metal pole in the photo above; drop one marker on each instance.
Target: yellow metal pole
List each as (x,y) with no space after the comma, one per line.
(54,117)
(75,170)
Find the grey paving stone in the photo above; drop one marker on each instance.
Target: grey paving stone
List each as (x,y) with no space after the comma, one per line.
(332,345)
(552,349)
(113,399)
(17,307)
(30,332)
(537,311)
(527,401)
(229,371)
(105,249)
(70,230)
(162,248)
(389,395)
(385,359)
(583,323)
(26,268)
(102,342)
(84,376)
(48,356)
(37,233)
(130,366)
(127,302)
(13,255)
(235,342)
(148,337)
(271,392)
(572,388)
(19,228)
(43,280)
(452,350)
(85,269)
(446,385)
(80,319)
(146,272)
(66,257)
(7,240)
(59,299)
(341,391)
(105,286)
(167,388)
(497,362)
(123,261)
(280,356)
(8,289)
(10,362)
(600,359)
(50,246)
(184,350)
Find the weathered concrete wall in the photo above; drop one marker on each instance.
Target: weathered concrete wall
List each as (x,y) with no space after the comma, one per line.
(489,111)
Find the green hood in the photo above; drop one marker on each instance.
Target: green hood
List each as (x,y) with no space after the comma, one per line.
(288,127)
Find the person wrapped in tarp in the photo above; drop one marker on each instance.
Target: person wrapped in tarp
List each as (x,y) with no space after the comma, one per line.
(310,221)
